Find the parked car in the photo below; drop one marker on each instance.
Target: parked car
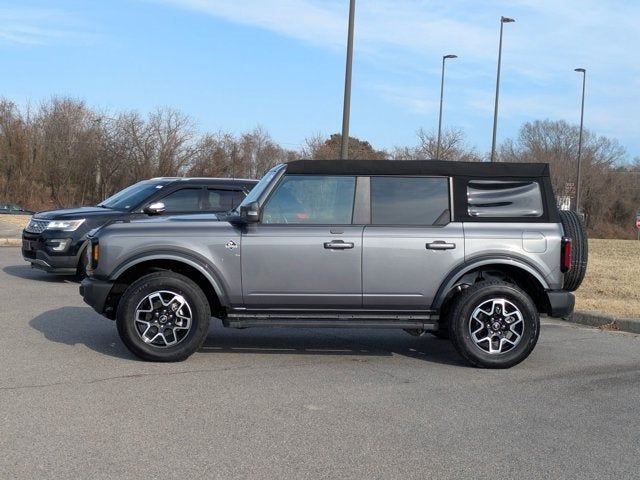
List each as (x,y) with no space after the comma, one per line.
(13,209)
(470,251)
(55,240)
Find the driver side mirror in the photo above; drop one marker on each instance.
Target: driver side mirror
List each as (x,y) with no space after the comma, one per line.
(155,208)
(250,213)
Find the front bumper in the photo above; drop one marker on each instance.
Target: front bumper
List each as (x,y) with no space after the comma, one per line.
(36,251)
(95,292)
(561,303)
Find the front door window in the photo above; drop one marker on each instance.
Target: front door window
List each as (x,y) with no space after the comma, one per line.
(311,200)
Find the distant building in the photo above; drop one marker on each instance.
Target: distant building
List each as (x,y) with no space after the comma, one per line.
(563,202)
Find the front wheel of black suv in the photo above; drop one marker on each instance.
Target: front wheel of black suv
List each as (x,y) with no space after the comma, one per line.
(163,317)
(494,324)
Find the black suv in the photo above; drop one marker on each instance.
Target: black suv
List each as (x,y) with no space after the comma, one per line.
(55,240)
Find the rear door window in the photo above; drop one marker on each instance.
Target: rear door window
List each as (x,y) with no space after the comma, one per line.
(409,200)
(218,200)
(183,200)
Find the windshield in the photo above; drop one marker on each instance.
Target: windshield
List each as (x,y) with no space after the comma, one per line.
(132,196)
(256,191)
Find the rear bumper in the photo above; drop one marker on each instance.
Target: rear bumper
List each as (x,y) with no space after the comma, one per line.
(95,292)
(561,303)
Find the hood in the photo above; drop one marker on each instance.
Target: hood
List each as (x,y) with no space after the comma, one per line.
(157,228)
(76,213)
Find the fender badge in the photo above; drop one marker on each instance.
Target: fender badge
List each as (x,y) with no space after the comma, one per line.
(231,245)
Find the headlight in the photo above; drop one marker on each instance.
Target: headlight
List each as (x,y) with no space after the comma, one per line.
(65,225)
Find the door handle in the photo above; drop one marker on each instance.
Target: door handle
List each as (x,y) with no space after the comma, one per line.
(338,245)
(440,245)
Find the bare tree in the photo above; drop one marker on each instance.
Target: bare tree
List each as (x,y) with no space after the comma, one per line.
(606,193)
(317,148)
(452,147)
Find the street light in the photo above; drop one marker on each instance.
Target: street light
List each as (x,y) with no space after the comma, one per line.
(503,20)
(347,83)
(441,97)
(584,78)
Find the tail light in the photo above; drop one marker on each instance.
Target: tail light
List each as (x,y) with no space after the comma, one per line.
(565,255)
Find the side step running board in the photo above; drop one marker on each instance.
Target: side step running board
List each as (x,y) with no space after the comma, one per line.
(336,320)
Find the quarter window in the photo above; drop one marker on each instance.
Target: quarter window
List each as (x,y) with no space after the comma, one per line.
(500,199)
(409,200)
(311,199)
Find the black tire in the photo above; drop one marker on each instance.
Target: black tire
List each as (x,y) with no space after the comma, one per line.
(81,270)
(574,228)
(527,324)
(197,308)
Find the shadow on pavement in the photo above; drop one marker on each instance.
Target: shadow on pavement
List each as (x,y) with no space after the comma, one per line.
(363,343)
(28,273)
(80,325)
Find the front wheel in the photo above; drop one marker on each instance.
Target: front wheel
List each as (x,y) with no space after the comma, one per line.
(163,317)
(494,324)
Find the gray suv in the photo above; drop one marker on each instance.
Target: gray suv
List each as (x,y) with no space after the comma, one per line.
(473,252)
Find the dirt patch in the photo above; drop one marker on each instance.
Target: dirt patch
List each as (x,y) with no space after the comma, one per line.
(613,326)
(612,282)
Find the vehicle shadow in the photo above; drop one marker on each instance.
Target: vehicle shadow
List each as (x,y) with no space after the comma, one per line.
(357,343)
(80,325)
(28,273)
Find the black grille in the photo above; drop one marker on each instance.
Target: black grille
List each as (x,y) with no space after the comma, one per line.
(37,226)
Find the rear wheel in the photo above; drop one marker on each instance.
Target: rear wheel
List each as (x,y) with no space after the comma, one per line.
(494,324)
(163,317)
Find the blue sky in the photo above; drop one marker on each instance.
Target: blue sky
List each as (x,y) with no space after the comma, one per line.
(280,64)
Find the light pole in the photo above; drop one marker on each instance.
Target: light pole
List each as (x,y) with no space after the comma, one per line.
(347,83)
(503,20)
(98,123)
(441,97)
(584,78)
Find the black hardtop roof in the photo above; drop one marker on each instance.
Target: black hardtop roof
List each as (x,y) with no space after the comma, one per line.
(418,167)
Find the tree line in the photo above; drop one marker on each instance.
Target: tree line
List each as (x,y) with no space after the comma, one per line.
(63,153)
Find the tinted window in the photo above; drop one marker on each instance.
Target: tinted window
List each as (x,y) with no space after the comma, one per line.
(311,199)
(184,200)
(493,198)
(132,196)
(409,201)
(215,200)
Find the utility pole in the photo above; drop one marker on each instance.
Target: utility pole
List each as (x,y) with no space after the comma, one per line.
(584,78)
(347,83)
(503,20)
(441,97)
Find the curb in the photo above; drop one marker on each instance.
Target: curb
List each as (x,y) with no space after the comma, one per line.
(10,242)
(604,321)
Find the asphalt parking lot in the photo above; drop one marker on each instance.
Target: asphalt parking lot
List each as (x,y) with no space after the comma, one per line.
(262,403)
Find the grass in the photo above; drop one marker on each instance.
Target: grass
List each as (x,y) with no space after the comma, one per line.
(19,221)
(612,283)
